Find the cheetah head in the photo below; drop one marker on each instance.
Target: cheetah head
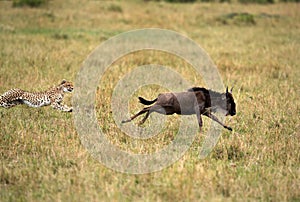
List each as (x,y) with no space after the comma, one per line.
(67,86)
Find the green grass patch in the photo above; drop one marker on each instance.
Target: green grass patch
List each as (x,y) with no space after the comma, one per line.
(30,3)
(115,8)
(237,19)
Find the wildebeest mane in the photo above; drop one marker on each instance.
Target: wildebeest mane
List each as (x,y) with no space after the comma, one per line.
(212,97)
(211,93)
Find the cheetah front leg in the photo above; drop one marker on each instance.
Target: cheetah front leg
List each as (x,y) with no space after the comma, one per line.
(64,108)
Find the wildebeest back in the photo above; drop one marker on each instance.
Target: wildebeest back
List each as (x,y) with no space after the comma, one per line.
(181,103)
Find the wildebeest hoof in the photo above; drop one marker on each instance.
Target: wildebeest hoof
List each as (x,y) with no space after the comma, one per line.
(124,121)
(229,128)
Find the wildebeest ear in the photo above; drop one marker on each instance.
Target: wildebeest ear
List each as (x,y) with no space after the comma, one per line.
(231,89)
(227,90)
(63,81)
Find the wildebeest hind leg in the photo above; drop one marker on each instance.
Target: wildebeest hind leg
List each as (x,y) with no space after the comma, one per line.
(154,108)
(146,109)
(145,118)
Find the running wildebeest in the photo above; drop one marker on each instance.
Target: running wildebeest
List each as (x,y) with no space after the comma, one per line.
(196,100)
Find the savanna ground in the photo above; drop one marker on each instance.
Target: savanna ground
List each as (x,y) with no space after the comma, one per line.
(258,52)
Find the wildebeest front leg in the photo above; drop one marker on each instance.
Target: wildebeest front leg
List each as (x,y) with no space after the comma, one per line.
(213,117)
(199,118)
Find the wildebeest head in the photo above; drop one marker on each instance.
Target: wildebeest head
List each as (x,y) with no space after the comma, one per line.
(230,104)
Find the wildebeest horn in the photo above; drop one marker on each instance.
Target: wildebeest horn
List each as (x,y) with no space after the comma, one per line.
(226,89)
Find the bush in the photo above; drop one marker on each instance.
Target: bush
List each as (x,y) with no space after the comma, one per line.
(180,1)
(217,1)
(257,1)
(290,1)
(30,3)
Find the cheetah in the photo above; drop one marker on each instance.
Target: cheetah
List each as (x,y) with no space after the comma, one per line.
(53,96)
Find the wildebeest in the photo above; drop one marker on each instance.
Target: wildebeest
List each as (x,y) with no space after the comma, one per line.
(196,100)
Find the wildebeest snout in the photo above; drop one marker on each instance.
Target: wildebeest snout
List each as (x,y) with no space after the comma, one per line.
(233,112)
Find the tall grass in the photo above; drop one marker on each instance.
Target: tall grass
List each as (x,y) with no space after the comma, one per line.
(40,151)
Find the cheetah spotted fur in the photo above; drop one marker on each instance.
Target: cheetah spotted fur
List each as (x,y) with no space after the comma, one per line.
(53,96)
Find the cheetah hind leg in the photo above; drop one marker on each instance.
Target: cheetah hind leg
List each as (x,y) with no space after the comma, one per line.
(11,103)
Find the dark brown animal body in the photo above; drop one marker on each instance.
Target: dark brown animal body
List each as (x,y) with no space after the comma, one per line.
(199,101)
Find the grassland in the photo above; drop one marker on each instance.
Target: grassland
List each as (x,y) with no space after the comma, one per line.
(42,158)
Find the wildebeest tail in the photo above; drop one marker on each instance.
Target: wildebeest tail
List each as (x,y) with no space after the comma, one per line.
(147,102)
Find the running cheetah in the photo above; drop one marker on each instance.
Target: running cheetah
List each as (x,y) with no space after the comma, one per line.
(53,96)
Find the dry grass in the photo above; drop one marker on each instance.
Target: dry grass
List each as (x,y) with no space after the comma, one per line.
(40,151)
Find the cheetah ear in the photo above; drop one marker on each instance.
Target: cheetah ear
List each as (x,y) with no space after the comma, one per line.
(63,81)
